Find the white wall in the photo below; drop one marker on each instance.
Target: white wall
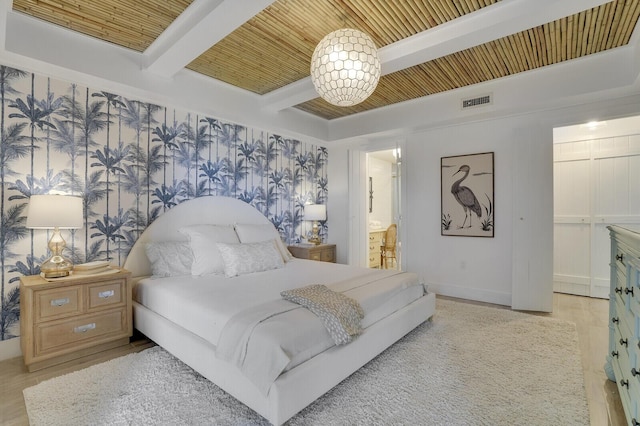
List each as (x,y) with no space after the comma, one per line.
(522,250)
(459,266)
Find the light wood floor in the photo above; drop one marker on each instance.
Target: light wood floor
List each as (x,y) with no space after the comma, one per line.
(590,316)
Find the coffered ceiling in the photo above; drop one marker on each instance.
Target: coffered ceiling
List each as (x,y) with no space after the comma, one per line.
(426,46)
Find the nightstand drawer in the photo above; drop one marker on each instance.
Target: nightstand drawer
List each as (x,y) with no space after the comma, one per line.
(320,252)
(51,337)
(315,255)
(73,317)
(106,294)
(328,255)
(58,303)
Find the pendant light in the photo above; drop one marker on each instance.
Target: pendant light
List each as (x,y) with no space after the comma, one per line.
(345,67)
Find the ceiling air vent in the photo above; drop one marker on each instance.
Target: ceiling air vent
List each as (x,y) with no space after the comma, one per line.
(476,102)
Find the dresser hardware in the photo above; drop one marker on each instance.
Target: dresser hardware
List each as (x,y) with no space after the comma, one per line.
(618,290)
(635,372)
(60,302)
(634,422)
(84,328)
(106,294)
(614,354)
(624,383)
(628,290)
(620,257)
(624,342)
(615,320)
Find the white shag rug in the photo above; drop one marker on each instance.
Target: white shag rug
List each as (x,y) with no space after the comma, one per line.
(469,365)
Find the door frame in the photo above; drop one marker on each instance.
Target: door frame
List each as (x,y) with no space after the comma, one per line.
(359,199)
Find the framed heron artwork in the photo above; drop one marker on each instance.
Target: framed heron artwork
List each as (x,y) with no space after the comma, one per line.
(467,203)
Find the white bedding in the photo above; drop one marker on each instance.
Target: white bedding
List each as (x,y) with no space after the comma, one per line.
(205,304)
(186,315)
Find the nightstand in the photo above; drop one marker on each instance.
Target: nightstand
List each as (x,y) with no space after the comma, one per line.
(73,317)
(321,252)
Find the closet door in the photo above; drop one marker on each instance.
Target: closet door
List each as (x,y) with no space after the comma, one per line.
(596,184)
(572,218)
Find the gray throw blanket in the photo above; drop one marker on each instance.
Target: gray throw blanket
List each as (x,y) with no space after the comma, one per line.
(340,314)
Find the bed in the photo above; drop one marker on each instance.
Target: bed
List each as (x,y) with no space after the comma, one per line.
(191,316)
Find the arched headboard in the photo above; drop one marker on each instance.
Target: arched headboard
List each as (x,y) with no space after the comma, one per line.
(203,210)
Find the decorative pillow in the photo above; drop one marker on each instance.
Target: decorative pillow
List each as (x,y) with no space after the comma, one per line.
(242,259)
(203,239)
(250,233)
(169,258)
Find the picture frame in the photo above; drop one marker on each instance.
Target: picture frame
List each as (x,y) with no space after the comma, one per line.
(467,195)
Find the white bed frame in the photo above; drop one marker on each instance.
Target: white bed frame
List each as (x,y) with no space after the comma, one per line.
(292,391)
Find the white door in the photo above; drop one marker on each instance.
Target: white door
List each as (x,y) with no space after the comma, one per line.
(596,183)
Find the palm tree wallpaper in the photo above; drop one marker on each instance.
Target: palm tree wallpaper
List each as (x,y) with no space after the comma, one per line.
(130,161)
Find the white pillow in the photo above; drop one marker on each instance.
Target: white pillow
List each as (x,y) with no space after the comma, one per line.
(203,239)
(250,233)
(169,258)
(242,259)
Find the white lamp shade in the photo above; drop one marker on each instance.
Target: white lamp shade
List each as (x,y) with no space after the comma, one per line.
(50,211)
(315,212)
(345,67)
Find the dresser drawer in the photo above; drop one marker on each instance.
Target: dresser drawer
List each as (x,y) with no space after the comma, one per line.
(73,332)
(58,303)
(106,294)
(624,391)
(375,238)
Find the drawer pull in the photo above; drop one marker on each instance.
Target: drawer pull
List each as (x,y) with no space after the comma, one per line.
(635,372)
(620,257)
(618,290)
(624,383)
(634,422)
(106,294)
(628,290)
(624,342)
(84,328)
(615,320)
(614,354)
(60,302)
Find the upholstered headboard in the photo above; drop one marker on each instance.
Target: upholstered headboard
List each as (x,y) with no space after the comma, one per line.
(202,210)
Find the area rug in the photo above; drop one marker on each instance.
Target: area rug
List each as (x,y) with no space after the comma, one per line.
(469,365)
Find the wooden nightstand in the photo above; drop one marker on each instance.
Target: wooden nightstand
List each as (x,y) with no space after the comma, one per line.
(321,252)
(72,317)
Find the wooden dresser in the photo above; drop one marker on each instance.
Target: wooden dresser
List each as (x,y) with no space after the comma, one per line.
(321,252)
(73,317)
(623,360)
(375,241)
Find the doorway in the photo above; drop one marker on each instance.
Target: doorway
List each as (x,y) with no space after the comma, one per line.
(383,209)
(595,167)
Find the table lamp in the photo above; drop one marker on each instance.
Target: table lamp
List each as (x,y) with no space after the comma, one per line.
(315,212)
(55,212)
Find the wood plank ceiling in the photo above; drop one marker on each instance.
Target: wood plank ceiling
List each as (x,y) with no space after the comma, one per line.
(274,48)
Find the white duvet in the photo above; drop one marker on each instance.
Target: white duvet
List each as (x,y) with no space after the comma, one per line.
(205,305)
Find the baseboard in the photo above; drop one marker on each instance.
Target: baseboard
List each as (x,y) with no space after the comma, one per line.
(478,295)
(10,348)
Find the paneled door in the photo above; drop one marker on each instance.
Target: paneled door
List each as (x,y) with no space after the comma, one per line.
(596,183)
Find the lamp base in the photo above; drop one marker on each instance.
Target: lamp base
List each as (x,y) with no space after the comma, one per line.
(315,234)
(56,267)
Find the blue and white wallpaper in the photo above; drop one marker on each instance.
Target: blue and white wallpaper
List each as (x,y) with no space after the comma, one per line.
(130,161)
